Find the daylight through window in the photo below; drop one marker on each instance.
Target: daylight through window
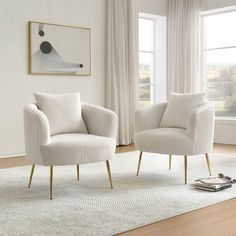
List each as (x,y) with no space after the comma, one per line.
(219,61)
(146,60)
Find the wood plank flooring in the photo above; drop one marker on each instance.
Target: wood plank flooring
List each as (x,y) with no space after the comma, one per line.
(215,220)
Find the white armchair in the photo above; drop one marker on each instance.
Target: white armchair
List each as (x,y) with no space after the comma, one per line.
(98,144)
(196,138)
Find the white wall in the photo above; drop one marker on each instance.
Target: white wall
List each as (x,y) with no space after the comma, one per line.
(16,86)
(157,7)
(225,131)
(213,4)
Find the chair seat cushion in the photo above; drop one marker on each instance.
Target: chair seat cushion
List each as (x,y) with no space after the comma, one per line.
(165,141)
(75,148)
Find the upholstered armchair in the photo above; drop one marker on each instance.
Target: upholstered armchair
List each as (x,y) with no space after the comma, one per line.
(49,147)
(178,128)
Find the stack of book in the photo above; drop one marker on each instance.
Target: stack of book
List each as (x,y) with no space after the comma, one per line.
(213,184)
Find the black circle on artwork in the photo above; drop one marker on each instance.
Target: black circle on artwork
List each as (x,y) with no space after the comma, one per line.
(41,33)
(81,65)
(45,47)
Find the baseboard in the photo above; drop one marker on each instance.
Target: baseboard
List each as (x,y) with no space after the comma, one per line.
(225,143)
(12,156)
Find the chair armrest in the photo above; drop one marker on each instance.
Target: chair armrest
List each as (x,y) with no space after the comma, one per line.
(200,126)
(149,117)
(100,121)
(37,132)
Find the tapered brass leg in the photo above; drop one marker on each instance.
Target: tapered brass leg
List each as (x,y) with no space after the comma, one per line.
(139,162)
(109,173)
(185,169)
(208,163)
(51,179)
(77,167)
(31,175)
(169,162)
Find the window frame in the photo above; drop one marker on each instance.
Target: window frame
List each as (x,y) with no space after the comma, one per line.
(203,51)
(153,52)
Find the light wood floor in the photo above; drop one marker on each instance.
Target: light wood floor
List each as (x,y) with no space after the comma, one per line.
(215,220)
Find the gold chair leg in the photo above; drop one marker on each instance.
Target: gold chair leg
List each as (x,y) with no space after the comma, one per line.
(169,162)
(109,173)
(185,169)
(31,175)
(51,180)
(208,163)
(139,162)
(77,168)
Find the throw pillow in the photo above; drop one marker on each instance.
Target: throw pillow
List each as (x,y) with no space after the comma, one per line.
(179,108)
(63,112)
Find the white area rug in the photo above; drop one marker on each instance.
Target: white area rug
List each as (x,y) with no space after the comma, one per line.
(90,207)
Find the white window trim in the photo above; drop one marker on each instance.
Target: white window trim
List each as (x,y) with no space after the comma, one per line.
(153,52)
(219,119)
(160,82)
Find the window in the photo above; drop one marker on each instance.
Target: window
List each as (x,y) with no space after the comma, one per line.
(152,58)
(146,60)
(219,61)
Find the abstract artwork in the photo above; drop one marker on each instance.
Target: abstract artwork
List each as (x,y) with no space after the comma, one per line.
(59,49)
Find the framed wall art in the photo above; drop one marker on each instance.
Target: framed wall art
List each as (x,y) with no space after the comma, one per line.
(59,49)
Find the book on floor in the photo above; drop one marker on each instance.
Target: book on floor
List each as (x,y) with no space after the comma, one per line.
(213,189)
(214,184)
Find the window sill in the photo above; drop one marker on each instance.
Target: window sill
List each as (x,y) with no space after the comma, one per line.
(226,120)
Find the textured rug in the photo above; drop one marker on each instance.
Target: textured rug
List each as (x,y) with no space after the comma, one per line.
(90,207)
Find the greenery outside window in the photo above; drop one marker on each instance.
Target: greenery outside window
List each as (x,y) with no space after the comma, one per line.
(219,61)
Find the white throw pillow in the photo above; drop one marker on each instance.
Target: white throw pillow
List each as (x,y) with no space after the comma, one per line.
(63,112)
(179,108)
